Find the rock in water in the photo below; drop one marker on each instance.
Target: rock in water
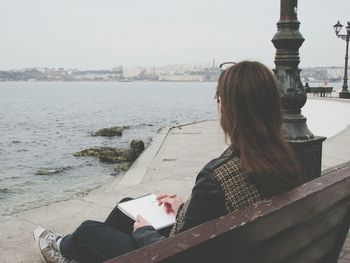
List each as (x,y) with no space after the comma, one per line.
(107,154)
(123,167)
(116,155)
(51,171)
(111,132)
(125,157)
(138,146)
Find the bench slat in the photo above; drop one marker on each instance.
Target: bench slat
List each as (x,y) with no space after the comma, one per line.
(293,241)
(241,234)
(317,251)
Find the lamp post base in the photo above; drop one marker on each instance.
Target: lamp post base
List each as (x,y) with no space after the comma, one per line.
(309,156)
(344,95)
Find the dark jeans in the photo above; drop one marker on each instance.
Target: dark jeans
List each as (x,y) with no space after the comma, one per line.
(94,241)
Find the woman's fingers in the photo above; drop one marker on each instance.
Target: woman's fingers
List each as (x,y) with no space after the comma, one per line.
(140,219)
(168,208)
(171,202)
(165,198)
(168,203)
(161,196)
(140,222)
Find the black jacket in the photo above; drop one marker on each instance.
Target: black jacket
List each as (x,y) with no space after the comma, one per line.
(221,187)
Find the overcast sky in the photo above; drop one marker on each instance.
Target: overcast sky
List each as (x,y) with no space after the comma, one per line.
(96,34)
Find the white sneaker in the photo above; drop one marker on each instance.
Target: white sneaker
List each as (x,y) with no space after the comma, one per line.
(46,241)
(49,236)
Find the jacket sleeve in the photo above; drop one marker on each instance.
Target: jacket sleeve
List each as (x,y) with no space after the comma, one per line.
(207,201)
(146,235)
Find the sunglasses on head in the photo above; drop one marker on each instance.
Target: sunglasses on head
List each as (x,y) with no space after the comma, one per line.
(226,65)
(223,67)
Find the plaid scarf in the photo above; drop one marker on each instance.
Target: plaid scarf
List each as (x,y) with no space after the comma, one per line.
(239,191)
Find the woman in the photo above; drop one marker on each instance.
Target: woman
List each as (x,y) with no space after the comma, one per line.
(258,164)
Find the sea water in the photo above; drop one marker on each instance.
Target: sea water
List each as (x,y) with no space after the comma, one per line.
(43,123)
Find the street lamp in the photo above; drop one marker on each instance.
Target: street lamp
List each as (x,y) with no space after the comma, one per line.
(287,41)
(337,27)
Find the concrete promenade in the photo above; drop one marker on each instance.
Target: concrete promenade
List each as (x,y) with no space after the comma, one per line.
(169,164)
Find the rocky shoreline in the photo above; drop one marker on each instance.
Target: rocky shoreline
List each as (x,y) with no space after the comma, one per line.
(111,132)
(124,157)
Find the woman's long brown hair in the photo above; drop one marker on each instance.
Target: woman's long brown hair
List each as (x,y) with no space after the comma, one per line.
(251,116)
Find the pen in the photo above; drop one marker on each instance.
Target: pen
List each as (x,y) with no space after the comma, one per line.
(172,196)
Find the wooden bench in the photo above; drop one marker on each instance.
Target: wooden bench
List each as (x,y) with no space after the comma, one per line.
(307,224)
(319,91)
(312,90)
(326,90)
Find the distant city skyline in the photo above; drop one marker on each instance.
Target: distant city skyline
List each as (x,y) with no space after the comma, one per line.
(203,64)
(94,34)
(187,66)
(176,72)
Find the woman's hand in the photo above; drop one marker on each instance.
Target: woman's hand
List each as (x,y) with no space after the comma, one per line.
(140,222)
(171,202)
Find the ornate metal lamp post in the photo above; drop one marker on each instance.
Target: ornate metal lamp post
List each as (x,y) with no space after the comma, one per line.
(337,27)
(287,41)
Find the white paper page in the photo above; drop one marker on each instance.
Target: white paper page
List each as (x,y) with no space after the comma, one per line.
(148,208)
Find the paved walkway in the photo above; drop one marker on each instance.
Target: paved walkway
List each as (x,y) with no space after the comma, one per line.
(345,255)
(169,164)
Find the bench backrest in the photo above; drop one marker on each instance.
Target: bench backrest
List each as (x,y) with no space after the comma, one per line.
(327,89)
(319,89)
(313,90)
(307,224)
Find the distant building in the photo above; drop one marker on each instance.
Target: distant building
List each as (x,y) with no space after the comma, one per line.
(186,77)
(117,72)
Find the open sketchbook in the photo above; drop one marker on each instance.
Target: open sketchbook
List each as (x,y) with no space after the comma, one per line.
(148,208)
